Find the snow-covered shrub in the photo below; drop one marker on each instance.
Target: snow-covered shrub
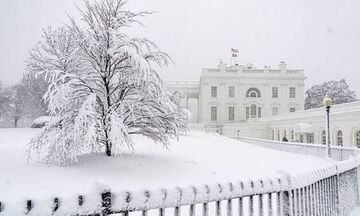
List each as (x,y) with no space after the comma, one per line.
(40,122)
(104,87)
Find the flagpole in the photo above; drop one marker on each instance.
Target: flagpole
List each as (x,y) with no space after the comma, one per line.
(230,57)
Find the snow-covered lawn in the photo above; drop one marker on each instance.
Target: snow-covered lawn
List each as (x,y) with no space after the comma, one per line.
(356,212)
(196,159)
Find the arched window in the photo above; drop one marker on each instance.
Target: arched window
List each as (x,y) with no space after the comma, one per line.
(253,92)
(357,139)
(339,138)
(323,137)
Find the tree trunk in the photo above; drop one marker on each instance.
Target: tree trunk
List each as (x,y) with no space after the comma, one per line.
(107,142)
(108,149)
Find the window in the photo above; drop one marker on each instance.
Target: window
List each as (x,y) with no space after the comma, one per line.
(310,138)
(323,137)
(285,134)
(275,110)
(253,111)
(231,113)
(275,92)
(357,139)
(231,91)
(292,135)
(301,138)
(259,112)
(273,134)
(292,92)
(278,135)
(253,92)
(213,91)
(213,113)
(292,109)
(339,138)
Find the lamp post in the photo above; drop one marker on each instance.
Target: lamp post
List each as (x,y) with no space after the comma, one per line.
(327,101)
(238,133)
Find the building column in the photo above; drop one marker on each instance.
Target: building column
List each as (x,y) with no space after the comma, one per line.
(198,119)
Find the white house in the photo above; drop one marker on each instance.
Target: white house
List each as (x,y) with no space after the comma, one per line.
(263,103)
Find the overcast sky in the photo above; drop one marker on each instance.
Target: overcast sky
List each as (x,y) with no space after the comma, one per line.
(322,37)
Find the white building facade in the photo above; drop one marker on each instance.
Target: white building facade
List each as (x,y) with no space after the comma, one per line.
(263,103)
(309,126)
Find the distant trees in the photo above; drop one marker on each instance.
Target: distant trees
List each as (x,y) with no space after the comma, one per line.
(104,86)
(339,91)
(30,91)
(5,102)
(23,99)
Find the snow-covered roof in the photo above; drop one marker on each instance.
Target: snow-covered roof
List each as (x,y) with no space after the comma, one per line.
(303,128)
(337,109)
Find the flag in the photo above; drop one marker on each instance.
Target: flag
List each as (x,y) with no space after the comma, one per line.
(234,50)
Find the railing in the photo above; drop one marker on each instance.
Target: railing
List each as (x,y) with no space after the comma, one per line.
(332,191)
(337,153)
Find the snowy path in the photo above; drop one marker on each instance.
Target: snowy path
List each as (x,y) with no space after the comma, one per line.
(196,159)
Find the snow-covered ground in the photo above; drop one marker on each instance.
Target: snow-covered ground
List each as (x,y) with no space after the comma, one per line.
(356,212)
(193,160)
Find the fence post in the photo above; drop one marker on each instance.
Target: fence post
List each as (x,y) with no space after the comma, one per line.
(358,185)
(337,192)
(106,202)
(285,185)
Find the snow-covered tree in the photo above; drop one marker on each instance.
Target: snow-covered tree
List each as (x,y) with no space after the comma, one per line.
(30,91)
(104,86)
(5,102)
(23,99)
(339,91)
(11,109)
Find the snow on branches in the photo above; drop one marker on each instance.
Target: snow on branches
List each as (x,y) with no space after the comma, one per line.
(339,92)
(104,87)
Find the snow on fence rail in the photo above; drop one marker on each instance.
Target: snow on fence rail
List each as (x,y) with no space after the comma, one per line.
(332,191)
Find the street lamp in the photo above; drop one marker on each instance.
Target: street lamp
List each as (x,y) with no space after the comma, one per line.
(327,101)
(238,133)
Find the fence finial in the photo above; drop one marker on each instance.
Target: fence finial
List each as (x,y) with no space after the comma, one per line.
(28,205)
(56,204)
(285,179)
(106,202)
(104,189)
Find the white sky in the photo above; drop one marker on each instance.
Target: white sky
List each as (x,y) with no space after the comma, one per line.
(322,36)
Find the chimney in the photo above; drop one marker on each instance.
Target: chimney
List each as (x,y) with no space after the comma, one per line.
(283,66)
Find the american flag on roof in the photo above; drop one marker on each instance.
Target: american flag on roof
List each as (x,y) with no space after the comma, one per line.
(234,50)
